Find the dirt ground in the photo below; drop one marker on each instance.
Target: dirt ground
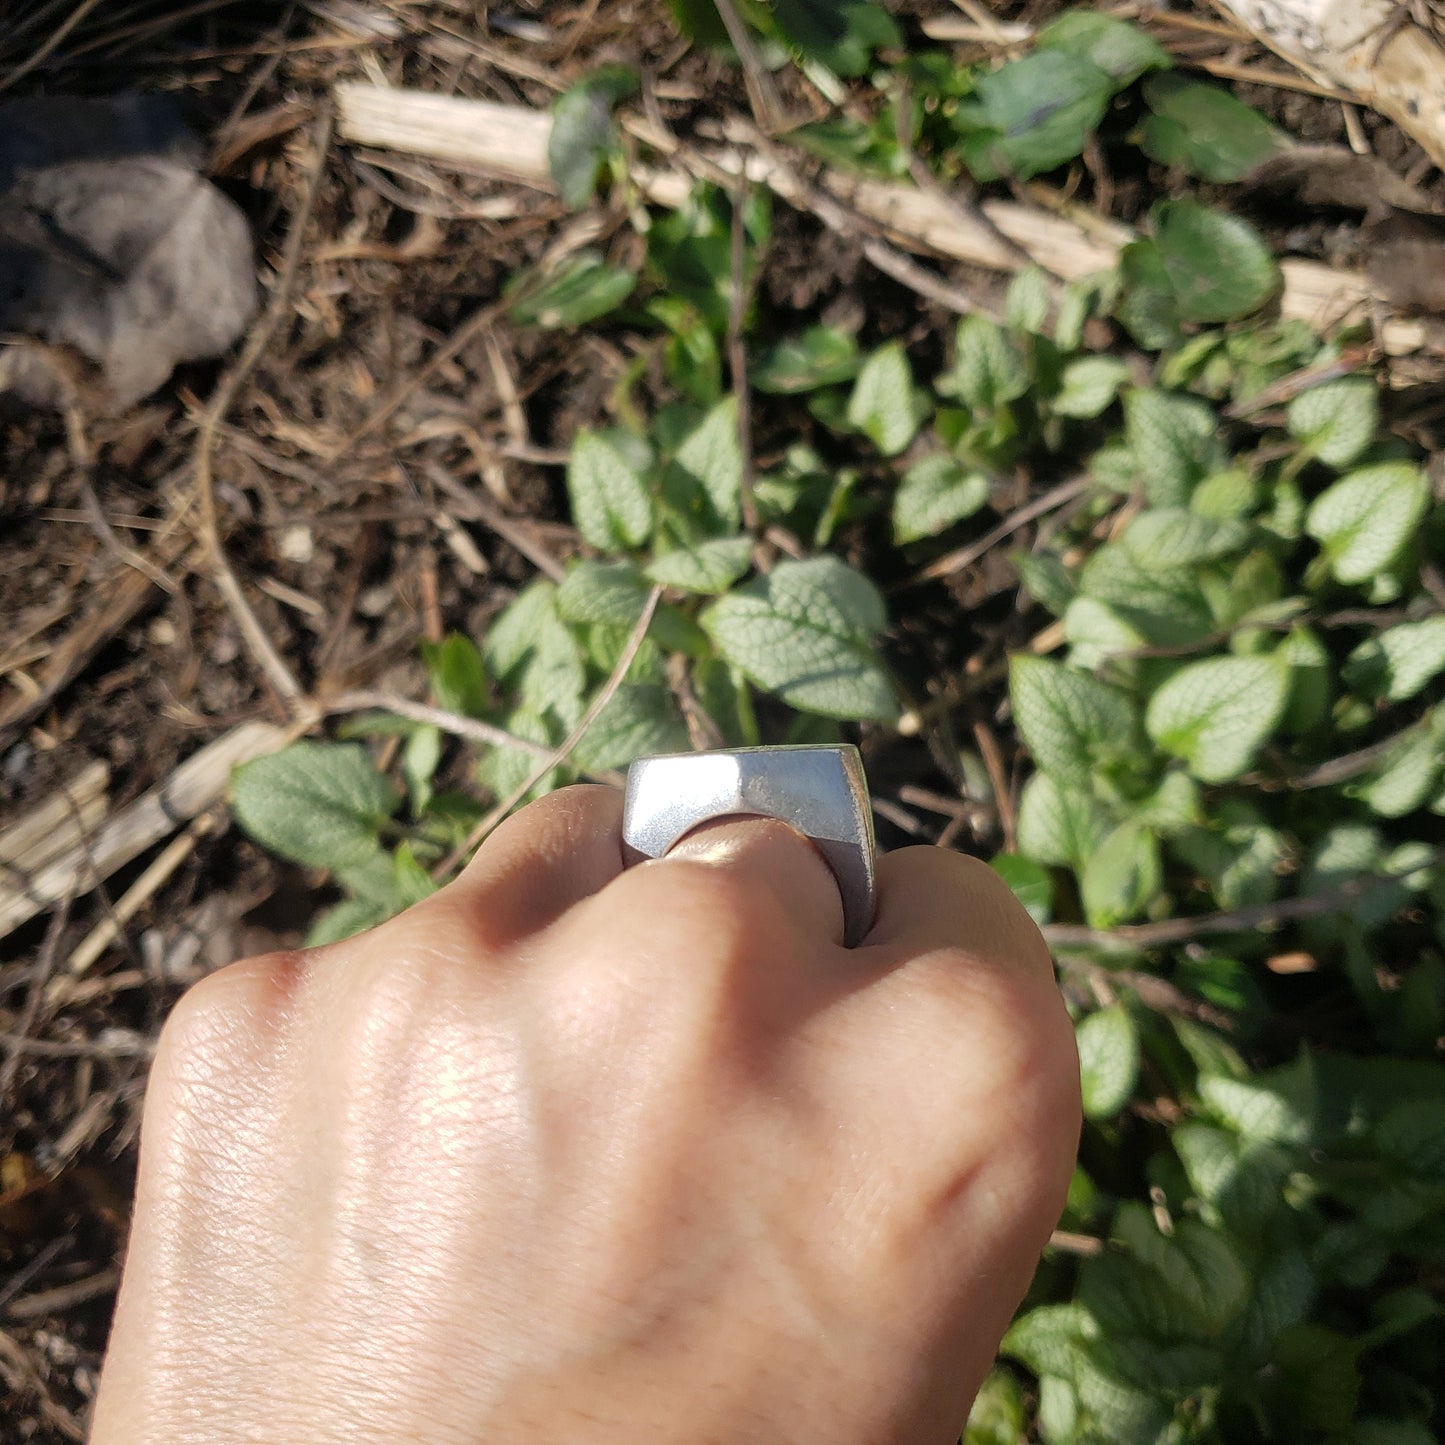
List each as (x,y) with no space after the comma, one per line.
(329,500)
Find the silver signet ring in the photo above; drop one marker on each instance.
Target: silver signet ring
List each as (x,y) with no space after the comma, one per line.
(820,791)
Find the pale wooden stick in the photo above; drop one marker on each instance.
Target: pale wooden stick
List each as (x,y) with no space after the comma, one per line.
(512,141)
(165,863)
(199,781)
(1371,48)
(56,824)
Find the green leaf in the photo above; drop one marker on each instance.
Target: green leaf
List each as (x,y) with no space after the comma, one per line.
(1026,301)
(533,651)
(1046,579)
(1122,51)
(411,881)
(1226,496)
(1068,719)
(699,20)
(1366,520)
(710,567)
(1108,1060)
(611,592)
(579,289)
(610,503)
(456,674)
(988,369)
(690,356)
(419,759)
(1379,1430)
(1313,1383)
(1164,538)
(1406,778)
(1030,882)
(841,34)
(1146,303)
(998,1414)
(1412,1137)
(711,459)
(1089,385)
(1047,1338)
(862,146)
(805,632)
(884,405)
(724,696)
(1122,877)
(819,356)
(1059,824)
(1174,442)
(1034,114)
(1239,855)
(345,920)
(1278,1112)
(933,495)
(603,644)
(1310,688)
(1336,420)
(503,770)
(318,804)
(554,677)
(512,635)
(1097,633)
(1168,609)
(635,722)
(1250,588)
(1242,1180)
(1204,130)
(1198,1266)
(1343,852)
(1399,662)
(1216,714)
(1217,266)
(1172,807)
(582,136)
(1058,1411)
(690,251)
(1078,301)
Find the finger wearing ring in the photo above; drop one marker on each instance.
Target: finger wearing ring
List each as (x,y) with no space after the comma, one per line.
(819,790)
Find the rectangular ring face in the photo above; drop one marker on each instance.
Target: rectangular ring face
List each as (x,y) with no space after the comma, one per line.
(818,789)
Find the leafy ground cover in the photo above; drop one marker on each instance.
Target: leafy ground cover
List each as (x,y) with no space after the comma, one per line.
(1192,715)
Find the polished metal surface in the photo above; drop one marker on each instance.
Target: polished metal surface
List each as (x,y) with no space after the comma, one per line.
(820,791)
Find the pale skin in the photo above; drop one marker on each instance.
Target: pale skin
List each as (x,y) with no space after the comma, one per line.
(575,1153)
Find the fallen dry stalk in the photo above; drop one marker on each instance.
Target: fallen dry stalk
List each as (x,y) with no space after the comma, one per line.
(511,141)
(58,824)
(199,782)
(1371,48)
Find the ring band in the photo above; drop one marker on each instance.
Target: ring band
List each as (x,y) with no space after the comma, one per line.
(821,791)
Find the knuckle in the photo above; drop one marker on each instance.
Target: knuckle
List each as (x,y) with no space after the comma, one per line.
(222,1030)
(242,996)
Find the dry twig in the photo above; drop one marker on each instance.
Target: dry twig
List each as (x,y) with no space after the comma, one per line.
(260,645)
(564,749)
(1140,936)
(455,723)
(451,129)
(967,555)
(199,782)
(738,297)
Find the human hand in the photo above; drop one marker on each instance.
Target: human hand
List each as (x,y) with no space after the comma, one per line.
(572,1152)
